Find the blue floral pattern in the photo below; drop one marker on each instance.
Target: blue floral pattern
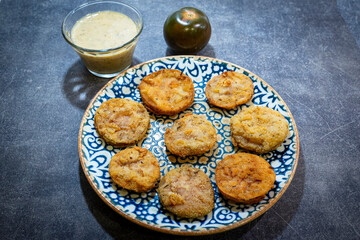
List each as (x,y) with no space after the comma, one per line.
(145,208)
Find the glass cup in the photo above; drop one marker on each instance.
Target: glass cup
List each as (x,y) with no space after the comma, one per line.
(105,63)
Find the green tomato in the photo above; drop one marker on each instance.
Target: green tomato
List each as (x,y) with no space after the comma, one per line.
(187,30)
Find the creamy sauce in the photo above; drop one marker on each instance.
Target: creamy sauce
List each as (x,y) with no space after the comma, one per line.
(103,30)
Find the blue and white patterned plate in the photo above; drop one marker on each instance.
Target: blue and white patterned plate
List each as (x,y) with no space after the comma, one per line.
(144,208)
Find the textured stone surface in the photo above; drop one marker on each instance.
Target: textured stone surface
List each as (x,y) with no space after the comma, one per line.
(308,51)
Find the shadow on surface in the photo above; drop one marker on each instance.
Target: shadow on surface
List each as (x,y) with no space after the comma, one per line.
(268,226)
(208,51)
(80,86)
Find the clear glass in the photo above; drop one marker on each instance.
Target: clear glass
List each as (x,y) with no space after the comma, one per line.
(109,62)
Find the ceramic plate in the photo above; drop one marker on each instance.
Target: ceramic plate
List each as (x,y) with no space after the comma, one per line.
(145,209)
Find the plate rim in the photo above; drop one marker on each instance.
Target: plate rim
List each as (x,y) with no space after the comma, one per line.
(174,231)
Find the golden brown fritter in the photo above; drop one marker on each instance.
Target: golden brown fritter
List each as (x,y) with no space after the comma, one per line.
(229,90)
(167,91)
(187,192)
(135,169)
(190,135)
(258,129)
(121,122)
(244,177)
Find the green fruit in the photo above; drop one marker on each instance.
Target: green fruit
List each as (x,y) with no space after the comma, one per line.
(187,30)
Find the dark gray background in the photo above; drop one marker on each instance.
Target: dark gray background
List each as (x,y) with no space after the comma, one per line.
(307,50)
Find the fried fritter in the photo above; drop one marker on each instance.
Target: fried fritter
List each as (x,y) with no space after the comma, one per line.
(121,122)
(190,135)
(244,177)
(167,91)
(258,129)
(229,90)
(135,169)
(187,192)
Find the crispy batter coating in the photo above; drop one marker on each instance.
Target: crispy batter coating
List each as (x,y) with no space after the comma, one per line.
(244,177)
(229,90)
(135,169)
(167,91)
(187,192)
(190,135)
(258,129)
(121,122)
